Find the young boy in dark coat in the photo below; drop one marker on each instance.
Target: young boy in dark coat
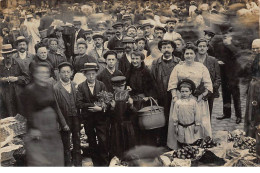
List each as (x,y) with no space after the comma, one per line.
(93,116)
(65,94)
(110,71)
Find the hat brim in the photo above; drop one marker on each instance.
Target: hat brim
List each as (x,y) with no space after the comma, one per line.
(89,69)
(22,40)
(7,52)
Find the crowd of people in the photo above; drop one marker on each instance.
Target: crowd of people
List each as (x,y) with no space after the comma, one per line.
(56,62)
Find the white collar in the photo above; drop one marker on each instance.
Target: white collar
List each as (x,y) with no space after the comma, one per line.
(65,83)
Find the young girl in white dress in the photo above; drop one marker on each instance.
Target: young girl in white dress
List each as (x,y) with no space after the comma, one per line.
(186,118)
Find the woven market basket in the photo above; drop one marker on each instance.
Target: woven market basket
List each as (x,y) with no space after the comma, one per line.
(151,117)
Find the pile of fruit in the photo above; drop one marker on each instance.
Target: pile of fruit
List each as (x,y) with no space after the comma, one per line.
(206,143)
(187,152)
(242,142)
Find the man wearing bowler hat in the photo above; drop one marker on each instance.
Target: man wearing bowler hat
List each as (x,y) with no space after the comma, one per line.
(116,41)
(65,94)
(171,34)
(98,51)
(93,116)
(125,62)
(12,81)
(161,71)
(23,56)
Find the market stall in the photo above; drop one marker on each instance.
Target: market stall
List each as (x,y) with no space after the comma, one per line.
(227,149)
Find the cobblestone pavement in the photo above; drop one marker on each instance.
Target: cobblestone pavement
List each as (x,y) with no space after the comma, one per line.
(228,124)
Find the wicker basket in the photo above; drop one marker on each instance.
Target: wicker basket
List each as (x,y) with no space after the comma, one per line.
(151,117)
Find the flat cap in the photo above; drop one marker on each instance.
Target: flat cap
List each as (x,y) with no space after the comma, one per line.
(64,64)
(128,40)
(90,66)
(118,81)
(118,24)
(160,28)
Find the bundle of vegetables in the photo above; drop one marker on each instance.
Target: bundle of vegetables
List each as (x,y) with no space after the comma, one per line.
(104,99)
(187,152)
(206,143)
(243,143)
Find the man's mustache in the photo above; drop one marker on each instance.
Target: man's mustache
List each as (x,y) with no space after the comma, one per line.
(167,52)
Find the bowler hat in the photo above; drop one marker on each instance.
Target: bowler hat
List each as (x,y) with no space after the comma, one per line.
(164,42)
(188,83)
(21,39)
(64,64)
(110,52)
(118,81)
(90,66)
(7,48)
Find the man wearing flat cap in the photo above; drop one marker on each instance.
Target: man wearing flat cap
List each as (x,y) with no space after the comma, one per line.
(147,28)
(65,94)
(93,116)
(98,51)
(208,35)
(125,62)
(89,40)
(78,33)
(171,34)
(23,56)
(116,41)
(161,71)
(13,79)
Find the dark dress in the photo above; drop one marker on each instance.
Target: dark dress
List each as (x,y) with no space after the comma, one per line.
(43,114)
(10,103)
(142,85)
(122,135)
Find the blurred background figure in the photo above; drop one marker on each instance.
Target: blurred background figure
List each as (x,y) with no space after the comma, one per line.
(43,141)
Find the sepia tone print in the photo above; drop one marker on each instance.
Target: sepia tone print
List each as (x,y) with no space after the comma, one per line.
(123,83)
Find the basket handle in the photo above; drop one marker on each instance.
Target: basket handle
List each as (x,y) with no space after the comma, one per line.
(153,100)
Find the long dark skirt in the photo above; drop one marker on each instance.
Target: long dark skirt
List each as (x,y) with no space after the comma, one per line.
(122,138)
(48,150)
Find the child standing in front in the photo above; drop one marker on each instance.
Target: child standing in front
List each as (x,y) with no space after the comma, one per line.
(186,117)
(122,136)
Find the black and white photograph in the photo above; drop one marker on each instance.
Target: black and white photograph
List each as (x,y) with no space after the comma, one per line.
(129,83)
